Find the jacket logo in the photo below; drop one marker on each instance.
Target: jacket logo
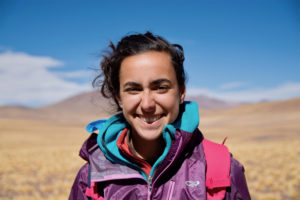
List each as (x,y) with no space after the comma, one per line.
(192,183)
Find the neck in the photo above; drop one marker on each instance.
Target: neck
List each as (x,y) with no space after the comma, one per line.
(149,150)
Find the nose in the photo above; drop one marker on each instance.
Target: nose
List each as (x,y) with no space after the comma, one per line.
(147,102)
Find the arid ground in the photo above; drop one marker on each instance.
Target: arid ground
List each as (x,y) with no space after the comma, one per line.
(39,157)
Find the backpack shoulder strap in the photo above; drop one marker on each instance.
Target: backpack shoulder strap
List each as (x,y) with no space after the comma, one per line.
(91,190)
(217,169)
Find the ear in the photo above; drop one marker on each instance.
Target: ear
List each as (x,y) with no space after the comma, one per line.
(118,98)
(182,94)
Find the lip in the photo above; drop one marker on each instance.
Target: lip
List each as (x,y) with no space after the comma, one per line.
(152,121)
(150,118)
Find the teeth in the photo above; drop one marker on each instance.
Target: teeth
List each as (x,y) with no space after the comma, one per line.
(150,119)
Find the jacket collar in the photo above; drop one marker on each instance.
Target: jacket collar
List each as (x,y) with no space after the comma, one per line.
(182,147)
(109,131)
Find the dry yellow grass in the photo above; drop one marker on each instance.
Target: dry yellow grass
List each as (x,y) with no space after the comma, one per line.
(266,140)
(39,160)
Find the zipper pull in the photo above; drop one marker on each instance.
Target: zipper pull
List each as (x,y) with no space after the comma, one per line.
(150,183)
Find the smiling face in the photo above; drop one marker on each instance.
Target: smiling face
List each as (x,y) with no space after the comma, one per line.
(149,93)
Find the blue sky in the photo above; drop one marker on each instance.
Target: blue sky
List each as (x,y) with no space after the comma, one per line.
(235,50)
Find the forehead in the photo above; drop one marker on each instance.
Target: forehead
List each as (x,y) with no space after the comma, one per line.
(147,66)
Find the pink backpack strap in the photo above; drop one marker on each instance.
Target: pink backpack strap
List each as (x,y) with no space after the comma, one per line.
(92,192)
(217,169)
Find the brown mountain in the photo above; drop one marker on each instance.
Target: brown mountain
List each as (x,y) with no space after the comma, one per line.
(20,112)
(89,106)
(208,103)
(260,120)
(81,108)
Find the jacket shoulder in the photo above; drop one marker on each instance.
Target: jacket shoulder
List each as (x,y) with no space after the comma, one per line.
(81,181)
(239,188)
(88,146)
(80,184)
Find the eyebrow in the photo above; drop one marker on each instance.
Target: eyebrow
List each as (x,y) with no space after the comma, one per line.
(160,81)
(155,82)
(131,84)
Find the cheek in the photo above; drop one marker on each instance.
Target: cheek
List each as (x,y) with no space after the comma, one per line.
(129,103)
(170,103)
(169,99)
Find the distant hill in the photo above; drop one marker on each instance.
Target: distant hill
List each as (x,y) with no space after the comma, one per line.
(262,120)
(89,106)
(208,103)
(85,103)
(81,108)
(94,103)
(20,112)
(284,106)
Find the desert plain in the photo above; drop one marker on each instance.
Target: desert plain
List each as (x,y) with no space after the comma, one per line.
(39,147)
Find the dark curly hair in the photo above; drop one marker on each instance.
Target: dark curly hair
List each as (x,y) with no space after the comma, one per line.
(108,79)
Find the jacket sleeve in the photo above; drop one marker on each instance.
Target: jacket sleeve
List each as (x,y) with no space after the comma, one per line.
(80,184)
(239,188)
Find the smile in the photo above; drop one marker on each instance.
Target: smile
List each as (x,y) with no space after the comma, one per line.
(150,119)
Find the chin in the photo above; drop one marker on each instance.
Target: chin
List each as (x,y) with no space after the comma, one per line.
(150,135)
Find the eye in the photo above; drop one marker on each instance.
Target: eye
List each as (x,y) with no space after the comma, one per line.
(132,89)
(162,88)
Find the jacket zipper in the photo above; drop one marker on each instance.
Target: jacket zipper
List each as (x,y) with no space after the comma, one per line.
(163,171)
(149,180)
(170,190)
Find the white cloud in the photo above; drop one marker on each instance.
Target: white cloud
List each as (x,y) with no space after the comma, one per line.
(232,85)
(281,92)
(26,80)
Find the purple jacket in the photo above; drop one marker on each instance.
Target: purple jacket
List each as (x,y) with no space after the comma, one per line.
(181,175)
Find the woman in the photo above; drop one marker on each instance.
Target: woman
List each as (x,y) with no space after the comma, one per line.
(152,149)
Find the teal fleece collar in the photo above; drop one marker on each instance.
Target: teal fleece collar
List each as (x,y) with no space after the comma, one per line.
(110,130)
